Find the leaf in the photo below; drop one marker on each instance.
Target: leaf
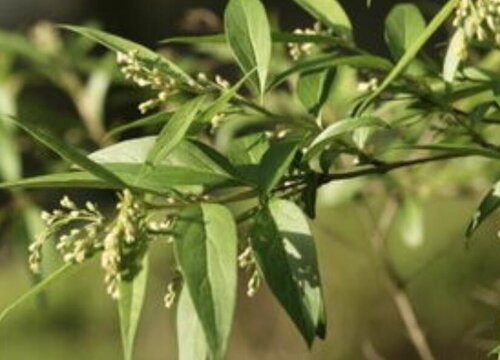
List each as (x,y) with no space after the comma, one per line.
(454,55)
(410,54)
(332,132)
(35,290)
(69,153)
(118,44)
(284,249)
(218,105)
(130,305)
(249,36)
(155,119)
(187,154)
(488,205)
(403,26)
(174,131)
(190,337)
(206,251)
(276,37)
(275,163)
(313,89)
(329,62)
(329,12)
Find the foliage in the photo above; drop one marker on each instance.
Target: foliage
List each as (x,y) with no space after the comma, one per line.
(231,173)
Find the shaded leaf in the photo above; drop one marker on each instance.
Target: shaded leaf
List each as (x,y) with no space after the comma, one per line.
(403,26)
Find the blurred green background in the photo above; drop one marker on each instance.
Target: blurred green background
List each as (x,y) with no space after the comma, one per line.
(454,289)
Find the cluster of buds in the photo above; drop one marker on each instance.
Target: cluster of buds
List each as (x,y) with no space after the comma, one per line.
(479,19)
(83,232)
(367,86)
(75,244)
(246,261)
(296,50)
(147,77)
(124,244)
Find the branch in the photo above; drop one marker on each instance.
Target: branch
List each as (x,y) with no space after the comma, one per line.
(387,167)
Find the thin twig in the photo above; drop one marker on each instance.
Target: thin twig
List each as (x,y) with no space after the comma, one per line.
(394,284)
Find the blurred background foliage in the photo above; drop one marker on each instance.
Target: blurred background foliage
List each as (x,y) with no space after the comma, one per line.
(75,88)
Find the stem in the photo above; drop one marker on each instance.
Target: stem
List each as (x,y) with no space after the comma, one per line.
(387,167)
(394,283)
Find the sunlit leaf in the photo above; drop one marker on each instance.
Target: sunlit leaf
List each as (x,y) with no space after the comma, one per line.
(286,255)
(329,12)
(206,251)
(249,35)
(132,293)
(190,336)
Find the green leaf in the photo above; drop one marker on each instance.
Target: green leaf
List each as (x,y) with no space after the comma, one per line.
(249,36)
(488,205)
(187,154)
(35,290)
(284,248)
(276,37)
(275,164)
(206,251)
(313,89)
(457,149)
(454,55)
(331,133)
(410,54)
(323,62)
(130,305)
(220,103)
(174,131)
(155,119)
(69,153)
(118,44)
(190,336)
(329,12)
(403,26)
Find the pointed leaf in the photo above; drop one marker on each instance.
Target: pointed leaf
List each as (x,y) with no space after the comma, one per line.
(69,153)
(174,131)
(275,163)
(206,251)
(249,36)
(490,203)
(454,55)
(130,304)
(403,26)
(119,44)
(329,12)
(284,248)
(339,128)
(190,336)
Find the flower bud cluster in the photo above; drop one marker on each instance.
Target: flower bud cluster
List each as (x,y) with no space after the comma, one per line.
(147,77)
(75,244)
(298,51)
(82,232)
(246,261)
(480,19)
(124,244)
